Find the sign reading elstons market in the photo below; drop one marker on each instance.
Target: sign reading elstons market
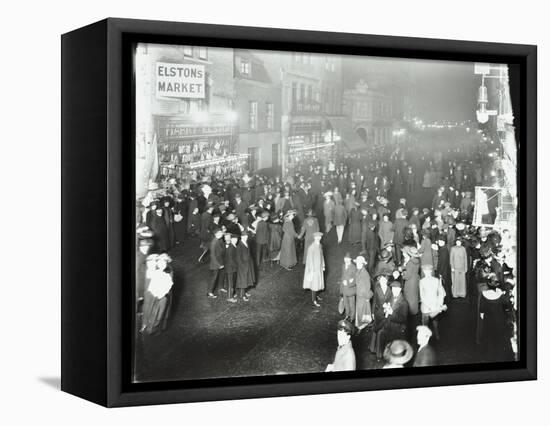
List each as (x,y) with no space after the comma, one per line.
(180,80)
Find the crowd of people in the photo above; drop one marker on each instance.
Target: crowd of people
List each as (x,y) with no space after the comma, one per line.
(406,263)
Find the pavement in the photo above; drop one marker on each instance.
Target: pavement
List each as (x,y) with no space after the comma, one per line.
(279,330)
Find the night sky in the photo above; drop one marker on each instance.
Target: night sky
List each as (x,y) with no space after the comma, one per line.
(438,90)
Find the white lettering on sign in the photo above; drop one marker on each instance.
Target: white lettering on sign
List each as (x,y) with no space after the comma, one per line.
(180,80)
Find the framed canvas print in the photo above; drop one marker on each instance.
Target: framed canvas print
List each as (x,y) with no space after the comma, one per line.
(280,212)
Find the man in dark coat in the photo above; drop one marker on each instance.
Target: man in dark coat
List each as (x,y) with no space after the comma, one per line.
(401,223)
(372,244)
(144,245)
(262,239)
(160,231)
(240,208)
(425,356)
(204,233)
(216,261)
(443,267)
(245,268)
(230,265)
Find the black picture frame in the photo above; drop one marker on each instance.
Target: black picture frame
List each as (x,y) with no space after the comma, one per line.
(98,180)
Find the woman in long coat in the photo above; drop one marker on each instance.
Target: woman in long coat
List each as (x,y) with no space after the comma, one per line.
(160,231)
(411,289)
(459,267)
(275,237)
(495,312)
(426,249)
(314,278)
(288,245)
(363,314)
(245,268)
(309,228)
(354,230)
(382,296)
(157,298)
(180,219)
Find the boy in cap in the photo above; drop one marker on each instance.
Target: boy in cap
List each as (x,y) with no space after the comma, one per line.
(344,359)
(216,261)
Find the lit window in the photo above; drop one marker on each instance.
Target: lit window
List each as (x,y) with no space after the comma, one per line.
(270,115)
(253,115)
(245,67)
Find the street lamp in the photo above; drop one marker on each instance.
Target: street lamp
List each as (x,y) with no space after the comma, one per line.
(482,100)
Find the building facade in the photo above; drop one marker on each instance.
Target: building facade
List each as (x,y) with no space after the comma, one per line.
(184,134)
(258,110)
(370,112)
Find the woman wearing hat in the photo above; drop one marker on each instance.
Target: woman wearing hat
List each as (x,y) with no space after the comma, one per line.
(157,300)
(354,229)
(288,244)
(496,323)
(397,354)
(363,294)
(275,237)
(411,290)
(314,278)
(309,227)
(385,264)
(426,248)
(459,268)
(328,211)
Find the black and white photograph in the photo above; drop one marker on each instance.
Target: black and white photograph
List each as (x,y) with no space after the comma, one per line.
(302,212)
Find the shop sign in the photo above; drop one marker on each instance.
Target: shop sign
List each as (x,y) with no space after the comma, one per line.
(180,80)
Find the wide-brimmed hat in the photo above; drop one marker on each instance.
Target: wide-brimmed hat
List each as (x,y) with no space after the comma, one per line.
(410,251)
(460,226)
(318,234)
(231,216)
(265,213)
(290,212)
(328,194)
(398,352)
(360,259)
(385,254)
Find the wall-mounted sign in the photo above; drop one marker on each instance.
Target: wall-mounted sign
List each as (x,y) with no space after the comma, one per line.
(180,80)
